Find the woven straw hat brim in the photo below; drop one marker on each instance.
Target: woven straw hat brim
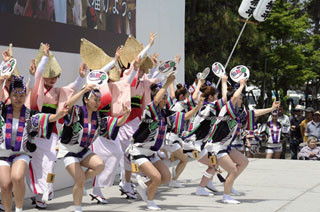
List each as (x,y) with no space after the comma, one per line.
(131,49)
(92,55)
(146,64)
(52,68)
(114,74)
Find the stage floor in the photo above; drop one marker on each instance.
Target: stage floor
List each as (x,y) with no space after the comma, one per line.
(266,185)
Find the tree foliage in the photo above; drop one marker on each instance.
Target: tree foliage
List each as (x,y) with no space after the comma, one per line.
(287,44)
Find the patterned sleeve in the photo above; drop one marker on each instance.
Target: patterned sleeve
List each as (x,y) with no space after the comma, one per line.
(72,116)
(151,110)
(219,104)
(230,110)
(177,122)
(169,102)
(108,127)
(250,120)
(39,124)
(189,103)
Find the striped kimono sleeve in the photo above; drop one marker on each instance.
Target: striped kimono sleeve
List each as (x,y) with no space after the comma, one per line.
(177,122)
(250,120)
(152,110)
(190,103)
(72,116)
(218,105)
(40,123)
(231,110)
(109,128)
(169,102)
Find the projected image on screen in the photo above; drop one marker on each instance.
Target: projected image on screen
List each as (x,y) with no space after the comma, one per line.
(116,16)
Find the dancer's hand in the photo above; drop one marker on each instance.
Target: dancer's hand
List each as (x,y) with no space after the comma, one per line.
(6,55)
(275,104)
(137,63)
(126,110)
(3,78)
(83,70)
(32,68)
(46,49)
(224,78)
(152,38)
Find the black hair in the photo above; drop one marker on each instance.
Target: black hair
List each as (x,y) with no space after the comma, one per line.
(207,91)
(180,90)
(86,95)
(17,83)
(154,90)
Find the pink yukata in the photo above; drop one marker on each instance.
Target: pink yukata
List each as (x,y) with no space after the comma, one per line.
(51,100)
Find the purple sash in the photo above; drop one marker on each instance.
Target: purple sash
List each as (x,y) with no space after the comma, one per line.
(86,127)
(274,136)
(9,118)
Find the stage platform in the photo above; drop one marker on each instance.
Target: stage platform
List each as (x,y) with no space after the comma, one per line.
(265,186)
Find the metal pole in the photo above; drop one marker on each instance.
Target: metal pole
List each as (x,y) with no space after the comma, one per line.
(235,45)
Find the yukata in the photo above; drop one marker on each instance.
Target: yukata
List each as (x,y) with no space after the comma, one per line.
(273,131)
(17,136)
(140,98)
(78,134)
(150,135)
(47,101)
(202,128)
(174,138)
(227,129)
(109,150)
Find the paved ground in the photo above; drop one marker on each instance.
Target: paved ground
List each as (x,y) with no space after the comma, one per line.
(266,185)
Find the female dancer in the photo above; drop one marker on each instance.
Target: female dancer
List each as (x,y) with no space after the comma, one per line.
(273,131)
(232,118)
(110,150)
(140,98)
(185,102)
(47,98)
(19,128)
(201,131)
(81,128)
(149,137)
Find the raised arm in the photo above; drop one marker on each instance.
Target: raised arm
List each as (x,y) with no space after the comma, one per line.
(237,94)
(79,81)
(78,96)
(260,112)
(163,90)
(195,94)
(43,62)
(136,65)
(224,89)
(143,53)
(172,91)
(125,116)
(109,66)
(191,113)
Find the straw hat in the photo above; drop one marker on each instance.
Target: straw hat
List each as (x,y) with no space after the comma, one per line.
(114,74)
(96,58)
(131,49)
(52,68)
(146,64)
(15,71)
(92,55)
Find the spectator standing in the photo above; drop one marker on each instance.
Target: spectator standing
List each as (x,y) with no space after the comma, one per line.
(313,127)
(295,133)
(303,125)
